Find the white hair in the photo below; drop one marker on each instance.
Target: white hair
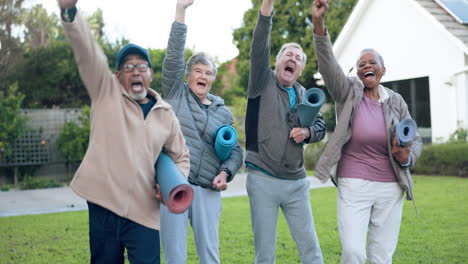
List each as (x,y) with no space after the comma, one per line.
(294,45)
(379,57)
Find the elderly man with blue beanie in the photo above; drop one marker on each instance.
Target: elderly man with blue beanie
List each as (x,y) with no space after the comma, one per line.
(130,126)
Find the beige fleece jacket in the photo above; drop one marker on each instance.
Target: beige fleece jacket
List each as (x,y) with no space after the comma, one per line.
(117,171)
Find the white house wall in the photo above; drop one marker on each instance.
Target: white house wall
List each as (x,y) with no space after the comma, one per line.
(413,44)
(460,84)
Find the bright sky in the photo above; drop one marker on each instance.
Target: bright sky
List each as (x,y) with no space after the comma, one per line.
(147,22)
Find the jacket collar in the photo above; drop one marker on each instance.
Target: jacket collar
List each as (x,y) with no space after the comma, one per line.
(160,103)
(383,94)
(297,87)
(216,101)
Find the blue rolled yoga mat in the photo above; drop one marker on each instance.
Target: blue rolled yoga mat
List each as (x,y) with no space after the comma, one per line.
(176,191)
(310,106)
(226,138)
(406,131)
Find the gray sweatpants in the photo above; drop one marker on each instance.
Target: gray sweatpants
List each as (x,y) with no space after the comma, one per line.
(204,214)
(268,194)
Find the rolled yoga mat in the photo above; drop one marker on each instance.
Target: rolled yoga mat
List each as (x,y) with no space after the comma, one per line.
(406,131)
(176,191)
(226,138)
(310,106)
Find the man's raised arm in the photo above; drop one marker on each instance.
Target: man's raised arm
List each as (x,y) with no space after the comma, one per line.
(91,60)
(260,50)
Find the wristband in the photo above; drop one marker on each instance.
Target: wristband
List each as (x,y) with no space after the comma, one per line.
(68,14)
(228,172)
(407,164)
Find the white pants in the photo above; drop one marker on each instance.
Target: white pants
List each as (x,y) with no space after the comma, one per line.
(372,210)
(204,214)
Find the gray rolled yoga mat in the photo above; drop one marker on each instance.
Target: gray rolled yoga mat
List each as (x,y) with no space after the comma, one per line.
(176,191)
(406,131)
(310,106)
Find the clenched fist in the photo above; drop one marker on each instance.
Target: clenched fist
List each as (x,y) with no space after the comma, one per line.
(299,134)
(64,4)
(184,3)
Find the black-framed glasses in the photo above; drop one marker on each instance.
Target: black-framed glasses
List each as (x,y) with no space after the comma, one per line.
(130,67)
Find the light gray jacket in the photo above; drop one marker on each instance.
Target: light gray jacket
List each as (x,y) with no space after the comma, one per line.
(347,93)
(198,125)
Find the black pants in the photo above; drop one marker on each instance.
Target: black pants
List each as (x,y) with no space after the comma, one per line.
(110,234)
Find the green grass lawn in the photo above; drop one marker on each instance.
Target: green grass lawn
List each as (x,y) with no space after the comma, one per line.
(438,235)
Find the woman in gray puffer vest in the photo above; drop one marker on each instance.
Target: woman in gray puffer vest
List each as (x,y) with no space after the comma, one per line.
(200,114)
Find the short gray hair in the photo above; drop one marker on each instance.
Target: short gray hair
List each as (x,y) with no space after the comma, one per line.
(379,57)
(200,58)
(294,45)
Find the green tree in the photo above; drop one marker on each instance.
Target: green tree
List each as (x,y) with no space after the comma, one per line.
(238,111)
(330,118)
(218,85)
(74,138)
(227,83)
(49,77)
(157,58)
(10,55)
(48,74)
(40,27)
(10,15)
(42,61)
(12,48)
(291,23)
(12,123)
(96,23)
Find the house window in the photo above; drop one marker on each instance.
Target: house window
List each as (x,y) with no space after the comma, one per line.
(416,94)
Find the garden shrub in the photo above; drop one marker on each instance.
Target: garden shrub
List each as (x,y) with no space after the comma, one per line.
(7,187)
(30,183)
(312,154)
(459,136)
(12,123)
(74,138)
(443,159)
(329,117)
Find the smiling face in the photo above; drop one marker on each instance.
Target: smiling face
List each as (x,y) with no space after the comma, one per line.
(289,66)
(136,82)
(200,79)
(370,69)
